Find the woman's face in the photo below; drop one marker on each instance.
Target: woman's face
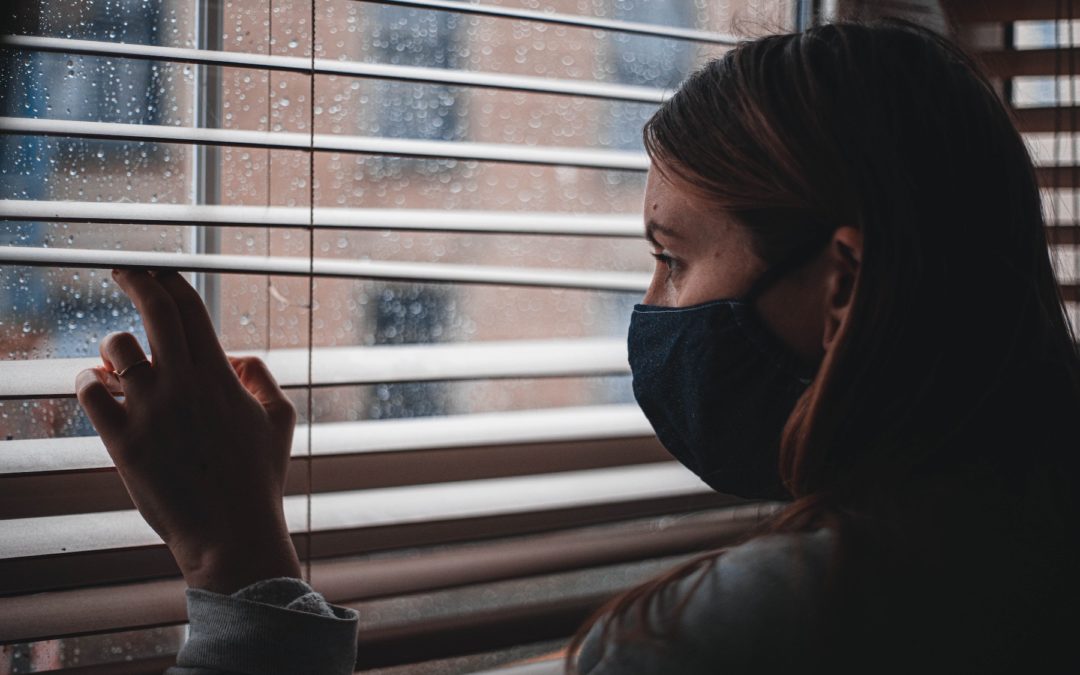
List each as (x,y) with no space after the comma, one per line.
(703,254)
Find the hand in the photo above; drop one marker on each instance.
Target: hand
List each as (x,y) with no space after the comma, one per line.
(201,440)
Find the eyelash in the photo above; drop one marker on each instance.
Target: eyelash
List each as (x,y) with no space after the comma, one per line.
(666,259)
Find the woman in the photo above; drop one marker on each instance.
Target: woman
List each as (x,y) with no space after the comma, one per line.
(853,307)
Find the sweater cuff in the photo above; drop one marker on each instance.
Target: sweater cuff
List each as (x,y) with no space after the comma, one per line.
(273,627)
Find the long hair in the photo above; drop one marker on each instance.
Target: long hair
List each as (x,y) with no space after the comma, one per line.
(954,380)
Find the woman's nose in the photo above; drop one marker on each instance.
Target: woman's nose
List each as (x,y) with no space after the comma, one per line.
(657,292)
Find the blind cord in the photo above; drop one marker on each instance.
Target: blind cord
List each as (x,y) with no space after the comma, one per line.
(269,158)
(1055,210)
(1074,240)
(311,286)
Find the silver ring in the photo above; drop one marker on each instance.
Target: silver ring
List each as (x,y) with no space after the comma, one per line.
(125,371)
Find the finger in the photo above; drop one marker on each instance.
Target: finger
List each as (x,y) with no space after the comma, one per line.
(260,382)
(124,356)
(105,412)
(257,379)
(160,316)
(202,339)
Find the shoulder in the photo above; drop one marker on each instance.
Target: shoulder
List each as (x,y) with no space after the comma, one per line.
(758,590)
(751,609)
(767,574)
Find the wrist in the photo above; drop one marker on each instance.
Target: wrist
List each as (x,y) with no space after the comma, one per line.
(226,567)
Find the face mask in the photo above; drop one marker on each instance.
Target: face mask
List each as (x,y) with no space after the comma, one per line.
(718,387)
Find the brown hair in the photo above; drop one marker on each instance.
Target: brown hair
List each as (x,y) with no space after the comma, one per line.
(955,377)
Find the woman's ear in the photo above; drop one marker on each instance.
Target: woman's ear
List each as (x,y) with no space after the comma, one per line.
(844,258)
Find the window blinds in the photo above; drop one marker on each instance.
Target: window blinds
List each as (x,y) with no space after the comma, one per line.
(75,558)
(1030,51)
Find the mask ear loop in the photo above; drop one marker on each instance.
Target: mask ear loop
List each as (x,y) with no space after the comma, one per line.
(799,256)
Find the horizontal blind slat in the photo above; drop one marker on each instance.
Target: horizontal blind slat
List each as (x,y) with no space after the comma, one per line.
(381,364)
(994,11)
(1058,176)
(1047,119)
(573,20)
(84,453)
(1063,235)
(364,509)
(446,637)
(1028,62)
(141,605)
(72,570)
(436,220)
(60,476)
(385,270)
(383,71)
(36,495)
(613,160)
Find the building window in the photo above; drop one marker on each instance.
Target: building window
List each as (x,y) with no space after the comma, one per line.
(646,61)
(402,36)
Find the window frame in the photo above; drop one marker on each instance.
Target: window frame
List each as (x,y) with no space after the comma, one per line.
(720,519)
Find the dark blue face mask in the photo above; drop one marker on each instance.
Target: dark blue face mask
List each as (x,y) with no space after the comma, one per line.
(718,387)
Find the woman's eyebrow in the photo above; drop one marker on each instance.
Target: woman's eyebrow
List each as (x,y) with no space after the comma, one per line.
(652,227)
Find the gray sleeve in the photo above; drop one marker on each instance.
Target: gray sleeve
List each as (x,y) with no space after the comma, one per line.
(753,611)
(273,627)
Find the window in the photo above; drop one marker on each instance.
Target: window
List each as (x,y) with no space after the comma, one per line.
(1026,51)
(438,213)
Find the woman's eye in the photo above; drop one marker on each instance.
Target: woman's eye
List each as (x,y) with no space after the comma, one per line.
(666,260)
